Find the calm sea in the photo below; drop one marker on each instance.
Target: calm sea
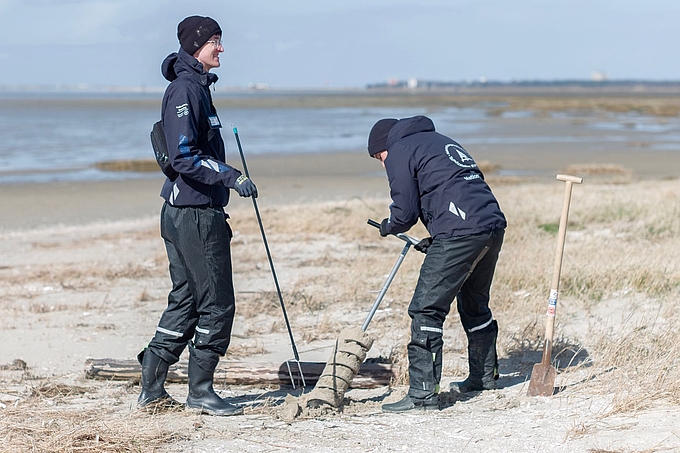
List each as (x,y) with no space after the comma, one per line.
(57,137)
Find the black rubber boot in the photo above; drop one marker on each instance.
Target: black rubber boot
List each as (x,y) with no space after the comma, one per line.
(154,372)
(409,404)
(201,393)
(482,360)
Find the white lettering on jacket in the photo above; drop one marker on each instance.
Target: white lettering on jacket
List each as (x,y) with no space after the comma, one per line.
(182,110)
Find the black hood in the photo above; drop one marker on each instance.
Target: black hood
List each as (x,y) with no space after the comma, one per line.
(409,126)
(181,63)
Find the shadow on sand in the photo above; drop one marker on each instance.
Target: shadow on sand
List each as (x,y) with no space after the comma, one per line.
(515,368)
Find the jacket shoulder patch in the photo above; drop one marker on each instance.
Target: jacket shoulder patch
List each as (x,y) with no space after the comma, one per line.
(182,110)
(459,156)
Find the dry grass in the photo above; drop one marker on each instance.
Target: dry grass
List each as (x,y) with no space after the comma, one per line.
(82,276)
(598,169)
(609,173)
(246,349)
(488,167)
(138,165)
(617,250)
(616,320)
(619,270)
(34,429)
(644,360)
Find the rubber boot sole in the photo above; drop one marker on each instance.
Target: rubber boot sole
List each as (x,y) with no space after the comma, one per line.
(216,413)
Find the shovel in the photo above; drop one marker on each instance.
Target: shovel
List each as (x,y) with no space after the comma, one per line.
(543,375)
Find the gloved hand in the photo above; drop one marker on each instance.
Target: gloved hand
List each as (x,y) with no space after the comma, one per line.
(423,245)
(245,187)
(385,227)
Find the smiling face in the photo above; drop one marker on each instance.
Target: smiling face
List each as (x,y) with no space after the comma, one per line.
(209,53)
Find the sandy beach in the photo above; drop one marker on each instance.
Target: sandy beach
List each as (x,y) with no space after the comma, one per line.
(83,274)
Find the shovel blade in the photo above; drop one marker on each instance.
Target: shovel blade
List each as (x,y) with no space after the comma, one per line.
(542,381)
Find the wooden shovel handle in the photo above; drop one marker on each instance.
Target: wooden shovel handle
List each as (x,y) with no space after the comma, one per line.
(555,284)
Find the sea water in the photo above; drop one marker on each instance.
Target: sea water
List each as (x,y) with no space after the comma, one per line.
(57,137)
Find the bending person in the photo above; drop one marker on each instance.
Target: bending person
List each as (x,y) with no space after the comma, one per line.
(434,179)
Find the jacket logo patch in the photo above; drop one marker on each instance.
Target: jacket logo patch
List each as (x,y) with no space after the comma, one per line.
(459,156)
(457,211)
(182,110)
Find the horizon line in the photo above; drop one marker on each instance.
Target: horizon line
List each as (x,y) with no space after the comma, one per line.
(397,84)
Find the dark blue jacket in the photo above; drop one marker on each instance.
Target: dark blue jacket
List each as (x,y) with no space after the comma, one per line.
(195,152)
(433,178)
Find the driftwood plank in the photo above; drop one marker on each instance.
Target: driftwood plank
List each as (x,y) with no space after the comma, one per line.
(370,374)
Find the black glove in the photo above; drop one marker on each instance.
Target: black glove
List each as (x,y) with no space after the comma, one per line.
(423,245)
(245,187)
(385,227)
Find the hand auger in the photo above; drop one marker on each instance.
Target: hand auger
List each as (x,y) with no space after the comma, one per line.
(271,266)
(409,242)
(351,347)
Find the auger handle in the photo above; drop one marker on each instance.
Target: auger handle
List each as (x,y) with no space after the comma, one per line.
(373,223)
(402,236)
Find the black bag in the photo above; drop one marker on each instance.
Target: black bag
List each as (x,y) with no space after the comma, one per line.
(160,149)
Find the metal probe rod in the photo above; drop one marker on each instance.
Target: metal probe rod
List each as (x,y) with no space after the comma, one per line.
(271,263)
(409,242)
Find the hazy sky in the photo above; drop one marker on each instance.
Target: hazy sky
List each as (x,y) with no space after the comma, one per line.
(317,43)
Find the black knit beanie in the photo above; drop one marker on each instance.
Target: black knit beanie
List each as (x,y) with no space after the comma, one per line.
(377,138)
(194,31)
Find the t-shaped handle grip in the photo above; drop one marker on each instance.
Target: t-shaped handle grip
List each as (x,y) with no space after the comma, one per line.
(568,178)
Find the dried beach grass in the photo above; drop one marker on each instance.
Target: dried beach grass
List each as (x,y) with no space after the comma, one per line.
(34,429)
(602,172)
(617,248)
(617,330)
(598,169)
(136,165)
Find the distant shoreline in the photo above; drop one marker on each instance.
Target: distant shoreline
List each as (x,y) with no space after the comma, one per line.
(656,100)
(400,86)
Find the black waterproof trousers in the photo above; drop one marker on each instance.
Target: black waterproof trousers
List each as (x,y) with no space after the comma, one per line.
(461,267)
(201,303)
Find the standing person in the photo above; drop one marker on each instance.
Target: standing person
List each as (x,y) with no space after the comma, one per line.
(434,179)
(194,226)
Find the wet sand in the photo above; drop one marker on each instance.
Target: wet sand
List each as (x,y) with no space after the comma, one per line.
(292,179)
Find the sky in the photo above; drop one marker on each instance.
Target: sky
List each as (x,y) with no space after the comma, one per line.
(338,44)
